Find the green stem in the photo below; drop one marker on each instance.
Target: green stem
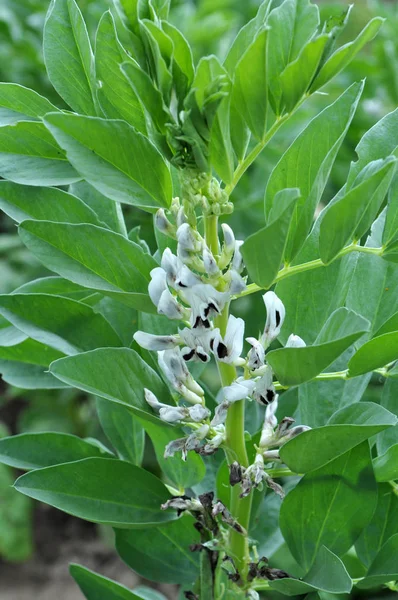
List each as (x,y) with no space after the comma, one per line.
(383,371)
(211,234)
(236,451)
(259,147)
(289,271)
(235,445)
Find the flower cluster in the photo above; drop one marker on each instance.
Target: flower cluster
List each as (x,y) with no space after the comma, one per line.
(193,286)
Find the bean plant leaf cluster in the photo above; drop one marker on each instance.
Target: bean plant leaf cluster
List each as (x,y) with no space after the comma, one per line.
(147,128)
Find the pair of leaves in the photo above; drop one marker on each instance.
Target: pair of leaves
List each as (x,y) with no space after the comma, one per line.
(263,252)
(120,377)
(293,366)
(328,574)
(307,164)
(63,324)
(102,490)
(350,216)
(18,103)
(159,553)
(346,429)
(28,451)
(96,587)
(381,350)
(92,257)
(330,506)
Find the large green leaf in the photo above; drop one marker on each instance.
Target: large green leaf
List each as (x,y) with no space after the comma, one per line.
(376,353)
(96,587)
(327,574)
(384,524)
(220,149)
(113,157)
(123,430)
(293,366)
(116,96)
(384,568)
(30,155)
(388,438)
(386,465)
(249,92)
(263,252)
(373,291)
(31,352)
(118,375)
(56,286)
(390,232)
(346,429)
(109,212)
(292,25)
(159,553)
(101,490)
(298,75)
(18,103)
(378,142)
(29,377)
(308,161)
(68,55)
(22,202)
(344,55)
(36,450)
(330,506)
(62,323)
(307,312)
(92,257)
(148,94)
(181,474)
(351,215)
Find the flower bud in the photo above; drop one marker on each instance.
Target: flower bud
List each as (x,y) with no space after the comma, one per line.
(264,392)
(163,224)
(238,390)
(229,238)
(220,413)
(198,413)
(209,262)
(275,317)
(256,355)
(229,349)
(152,400)
(237,261)
(157,285)
(188,238)
(181,217)
(294,432)
(270,412)
(173,414)
(150,341)
(295,341)
(237,284)
(170,308)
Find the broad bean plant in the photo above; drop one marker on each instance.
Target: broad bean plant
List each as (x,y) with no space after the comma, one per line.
(276,462)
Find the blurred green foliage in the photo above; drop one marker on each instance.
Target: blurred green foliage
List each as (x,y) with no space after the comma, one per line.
(210,26)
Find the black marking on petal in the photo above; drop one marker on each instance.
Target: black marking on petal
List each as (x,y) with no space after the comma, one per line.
(209,307)
(278,318)
(188,355)
(199,322)
(270,396)
(202,357)
(211,344)
(222,350)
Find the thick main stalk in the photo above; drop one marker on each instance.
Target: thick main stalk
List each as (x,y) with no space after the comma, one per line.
(235,432)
